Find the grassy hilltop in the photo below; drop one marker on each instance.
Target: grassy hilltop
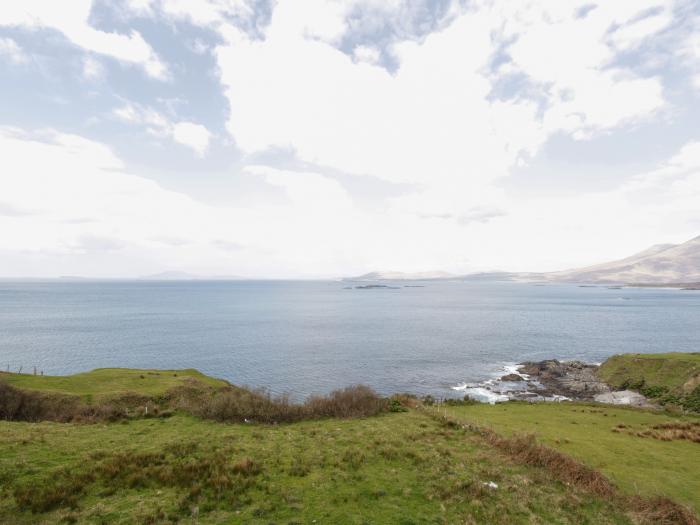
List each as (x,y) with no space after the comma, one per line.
(109,382)
(350,457)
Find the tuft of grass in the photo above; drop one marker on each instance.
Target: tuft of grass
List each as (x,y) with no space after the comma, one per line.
(675,430)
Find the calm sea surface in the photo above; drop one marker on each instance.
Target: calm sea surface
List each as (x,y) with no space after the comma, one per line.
(305,337)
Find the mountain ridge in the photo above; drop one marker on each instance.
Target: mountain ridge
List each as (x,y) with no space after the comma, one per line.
(657,265)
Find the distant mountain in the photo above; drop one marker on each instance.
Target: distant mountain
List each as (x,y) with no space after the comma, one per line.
(184,276)
(401,276)
(170,276)
(662,263)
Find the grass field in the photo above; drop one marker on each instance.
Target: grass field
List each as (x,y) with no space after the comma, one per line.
(593,434)
(398,468)
(405,467)
(106,382)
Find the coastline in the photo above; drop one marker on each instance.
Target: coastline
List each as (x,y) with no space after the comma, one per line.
(553,381)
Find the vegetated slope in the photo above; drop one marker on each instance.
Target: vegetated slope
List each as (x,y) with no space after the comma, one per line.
(634,448)
(396,468)
(75,399)
(168,461)
(663,263)
(678,371)
(672,378)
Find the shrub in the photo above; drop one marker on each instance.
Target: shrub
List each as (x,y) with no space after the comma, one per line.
(226,404)
(235,404)
(26,405)
(396,406)
(352,401)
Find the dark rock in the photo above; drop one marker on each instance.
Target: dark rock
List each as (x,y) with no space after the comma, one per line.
(512,377)
(573,379)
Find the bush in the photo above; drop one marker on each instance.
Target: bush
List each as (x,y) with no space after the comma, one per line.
(234,404)
(227,404)
(352,401)
(396,406)
(653,391)
(26,405)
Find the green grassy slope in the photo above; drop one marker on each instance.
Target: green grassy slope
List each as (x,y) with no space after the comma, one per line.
(679,372)
(590,434)
(404,468)
(106,382)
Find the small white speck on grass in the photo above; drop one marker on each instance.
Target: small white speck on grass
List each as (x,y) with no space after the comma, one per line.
(490,484)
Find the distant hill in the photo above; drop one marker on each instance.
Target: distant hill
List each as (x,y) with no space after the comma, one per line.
(659,264)
(401,276)
(170,276)
(184,276)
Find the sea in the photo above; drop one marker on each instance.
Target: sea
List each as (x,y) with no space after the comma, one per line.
(304,337)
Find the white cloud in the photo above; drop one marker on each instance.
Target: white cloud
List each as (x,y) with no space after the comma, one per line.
(632,33)
(431,122)
(93,69)
(367,54)
(79,201)
(427,122)
(570,59)
(202,12)
(443,124)
(70,206)
(689,52)
(10,50)
(190,134)
(193,135)
(71,19)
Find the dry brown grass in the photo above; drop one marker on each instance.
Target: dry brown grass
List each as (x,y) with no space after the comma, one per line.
(671,431)
(659,511)
(525,449)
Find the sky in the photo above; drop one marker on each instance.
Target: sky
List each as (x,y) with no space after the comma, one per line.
(328,138)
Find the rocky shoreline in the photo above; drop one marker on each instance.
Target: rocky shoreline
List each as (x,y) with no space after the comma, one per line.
(572,379)
(553,380)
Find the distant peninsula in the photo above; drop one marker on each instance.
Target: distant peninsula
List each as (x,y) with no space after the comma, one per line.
(661,265)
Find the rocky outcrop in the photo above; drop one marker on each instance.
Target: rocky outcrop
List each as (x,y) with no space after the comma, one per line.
(512,377)
(573,379)
(624,397)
